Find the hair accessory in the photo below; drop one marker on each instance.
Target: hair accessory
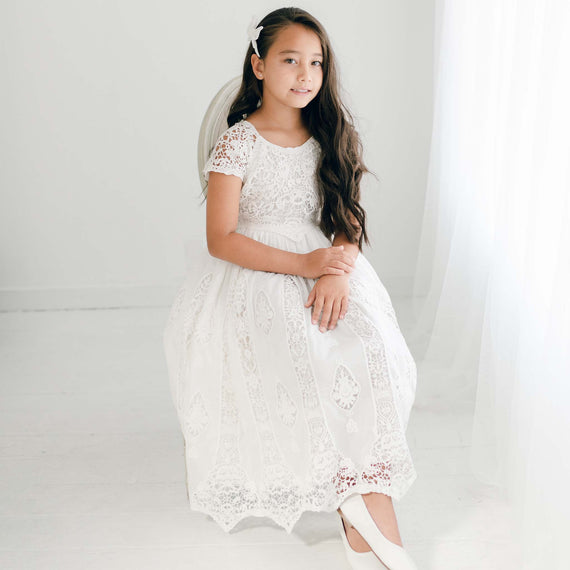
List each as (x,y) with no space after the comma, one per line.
(253,34)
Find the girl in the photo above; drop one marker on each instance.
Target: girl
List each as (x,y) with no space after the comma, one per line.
(291,379)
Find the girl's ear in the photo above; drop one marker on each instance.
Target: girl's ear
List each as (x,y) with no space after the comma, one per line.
(257,66)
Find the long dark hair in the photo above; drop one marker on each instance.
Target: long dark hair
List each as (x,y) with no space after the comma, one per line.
(340,167)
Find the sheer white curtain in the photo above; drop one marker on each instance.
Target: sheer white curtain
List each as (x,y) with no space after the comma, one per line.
(492,283)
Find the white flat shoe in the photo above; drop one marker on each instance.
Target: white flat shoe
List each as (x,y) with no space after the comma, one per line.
(359,560)
(391,554)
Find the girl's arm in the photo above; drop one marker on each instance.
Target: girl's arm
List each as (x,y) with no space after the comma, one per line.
(222,208)
(341,239)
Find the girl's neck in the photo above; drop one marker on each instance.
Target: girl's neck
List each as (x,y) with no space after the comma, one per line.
(278,119)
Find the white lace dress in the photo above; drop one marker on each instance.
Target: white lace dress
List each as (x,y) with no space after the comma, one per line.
(279,418)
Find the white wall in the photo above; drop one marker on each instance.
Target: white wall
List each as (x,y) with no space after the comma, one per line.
(101,104)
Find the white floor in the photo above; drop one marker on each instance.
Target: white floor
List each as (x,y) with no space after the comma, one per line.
(92,471)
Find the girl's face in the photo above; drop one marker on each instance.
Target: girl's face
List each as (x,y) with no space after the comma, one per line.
(292,69)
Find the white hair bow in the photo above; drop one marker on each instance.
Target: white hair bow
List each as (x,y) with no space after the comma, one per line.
(253,34)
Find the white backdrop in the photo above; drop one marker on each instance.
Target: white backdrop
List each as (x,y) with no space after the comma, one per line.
(101,104)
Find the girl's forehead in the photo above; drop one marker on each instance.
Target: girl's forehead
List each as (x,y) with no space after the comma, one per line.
(297,38)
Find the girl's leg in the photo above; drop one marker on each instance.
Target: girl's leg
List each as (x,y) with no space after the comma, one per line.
(382,511)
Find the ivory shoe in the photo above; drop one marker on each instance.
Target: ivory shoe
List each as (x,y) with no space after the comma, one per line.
(359,560)
(391,554)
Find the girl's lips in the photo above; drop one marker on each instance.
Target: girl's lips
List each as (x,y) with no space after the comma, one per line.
(301,92)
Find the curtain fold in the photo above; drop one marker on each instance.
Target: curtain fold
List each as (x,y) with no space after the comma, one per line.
(492,279)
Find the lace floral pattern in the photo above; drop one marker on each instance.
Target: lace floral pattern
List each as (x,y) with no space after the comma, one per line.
(345,388)
(286,407)
(279,182)
(190,319)
(296,338)
(226,492)
(278,494)
(197,418)
(391,411)
(369,296)
(230,153)
(263,312)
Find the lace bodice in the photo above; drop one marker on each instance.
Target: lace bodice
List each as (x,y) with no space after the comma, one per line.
(279,183)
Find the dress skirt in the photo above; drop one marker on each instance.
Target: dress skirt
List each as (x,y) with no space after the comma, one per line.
(277,417)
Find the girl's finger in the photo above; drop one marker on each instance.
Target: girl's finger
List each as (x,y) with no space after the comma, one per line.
(342,267)
(326,315)
(349,260)
(343,307)
(317,307)
(330,270)
(335,313)
(311,298)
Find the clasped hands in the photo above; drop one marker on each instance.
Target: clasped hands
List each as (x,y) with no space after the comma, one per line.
(331,267)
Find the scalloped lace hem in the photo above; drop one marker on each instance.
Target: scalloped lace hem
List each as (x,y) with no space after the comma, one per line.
(288,520)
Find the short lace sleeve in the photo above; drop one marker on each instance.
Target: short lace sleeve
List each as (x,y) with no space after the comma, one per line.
(230,153)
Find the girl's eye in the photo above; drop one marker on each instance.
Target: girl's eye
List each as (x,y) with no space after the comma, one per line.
(316,61)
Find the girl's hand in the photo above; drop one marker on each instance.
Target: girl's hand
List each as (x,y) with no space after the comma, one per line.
(329,294)
(331,260)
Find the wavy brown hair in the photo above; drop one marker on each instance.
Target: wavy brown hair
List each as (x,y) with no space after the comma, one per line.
(340,167)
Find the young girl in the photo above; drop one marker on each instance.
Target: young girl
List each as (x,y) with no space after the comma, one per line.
(291,379)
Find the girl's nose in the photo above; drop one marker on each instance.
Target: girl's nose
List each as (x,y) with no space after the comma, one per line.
(304,73)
